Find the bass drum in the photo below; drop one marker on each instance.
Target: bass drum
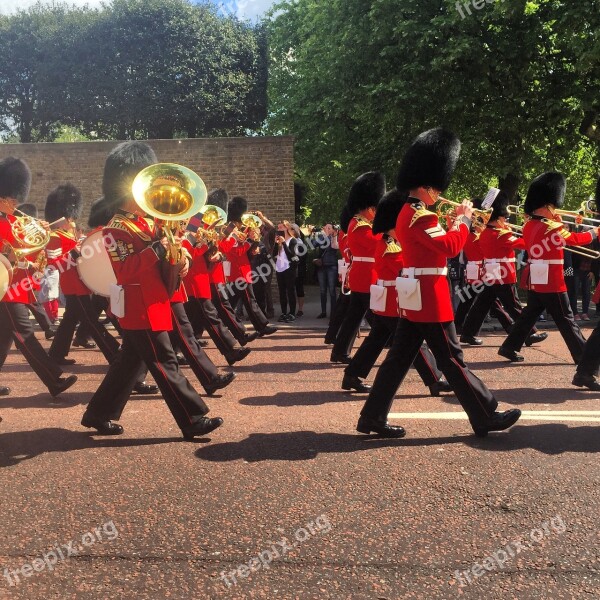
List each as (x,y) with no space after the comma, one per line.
(6,273)
(94,265)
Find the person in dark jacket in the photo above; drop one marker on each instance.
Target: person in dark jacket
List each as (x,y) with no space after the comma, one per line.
(286,268)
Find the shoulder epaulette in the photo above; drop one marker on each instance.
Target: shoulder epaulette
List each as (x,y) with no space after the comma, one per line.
(554,225)
(420,211)
(392,247)
(124,224)
(502,232)
(361,222)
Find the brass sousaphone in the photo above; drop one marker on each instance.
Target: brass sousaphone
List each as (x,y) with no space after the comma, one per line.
(171,194)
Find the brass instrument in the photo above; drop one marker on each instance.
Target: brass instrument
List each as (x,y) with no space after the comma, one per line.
(31,236)
(252,225)
(171,194)
(447,208)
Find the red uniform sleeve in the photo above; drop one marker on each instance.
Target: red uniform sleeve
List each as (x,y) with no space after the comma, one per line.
(433,236)
(577,239)
(227,244)
(127,264)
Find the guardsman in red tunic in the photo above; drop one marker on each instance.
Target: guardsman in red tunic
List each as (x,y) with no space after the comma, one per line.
(497,243)
(587,370)
(424,292)
(545,237)
(364,195)
(343,301)
(146,310)
(15,181)
(62,253)
(200,307)
(239,288)
(384,305)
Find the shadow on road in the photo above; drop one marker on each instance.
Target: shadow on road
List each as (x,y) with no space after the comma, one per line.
(524,396)
(17,446)
(44,400)
(302,398)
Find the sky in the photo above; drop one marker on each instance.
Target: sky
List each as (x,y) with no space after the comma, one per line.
(244,9)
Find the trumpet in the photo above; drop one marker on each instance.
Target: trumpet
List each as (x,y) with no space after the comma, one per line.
(447,208)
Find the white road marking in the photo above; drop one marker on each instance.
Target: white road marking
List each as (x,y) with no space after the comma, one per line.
(584,416)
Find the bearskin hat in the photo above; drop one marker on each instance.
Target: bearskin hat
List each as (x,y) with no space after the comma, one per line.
(548,188)
(236,208)
(366,191)
(345,218)
(218,197)
(500,207)
(64,201)
(123,163)
(15,179)
(429,161)
(101,212)
(388,209)
(477,202)
(28,209)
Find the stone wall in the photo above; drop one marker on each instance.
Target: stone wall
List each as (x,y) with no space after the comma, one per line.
(259,168)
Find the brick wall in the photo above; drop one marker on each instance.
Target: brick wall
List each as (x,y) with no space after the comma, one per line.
(259,168)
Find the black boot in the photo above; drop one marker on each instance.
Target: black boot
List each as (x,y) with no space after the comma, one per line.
(499,422)
(351,382)
(436,389)
(381,428)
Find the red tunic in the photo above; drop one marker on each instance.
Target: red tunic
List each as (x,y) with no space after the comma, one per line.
(22,281)
(388,265)
(217,275)
(240,263)
(58,252)
(197,282)
(425,244)
(137,269)
(362,244)
(498,246)
(474,256)
(545,240)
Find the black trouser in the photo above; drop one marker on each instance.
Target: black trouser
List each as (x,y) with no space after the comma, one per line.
(590,360)
(226,312)
(202,312)
(558,306)
(368,353)
(81,309)
(356,311)
(286,282)
(242,292)
(467,296)
(153,348)
(476,399)
(204,369)
(40,315)
(337,317)
(489,296)
(15,325)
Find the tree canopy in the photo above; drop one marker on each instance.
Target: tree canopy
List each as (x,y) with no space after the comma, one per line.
(133,69)
(356,80)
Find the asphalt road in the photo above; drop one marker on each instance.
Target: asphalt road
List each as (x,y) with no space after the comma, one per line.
(286,500)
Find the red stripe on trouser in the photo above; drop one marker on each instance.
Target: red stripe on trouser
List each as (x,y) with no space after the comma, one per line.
(95,326)
(231,319)
(159,364)
(183,339)
(24,348)
(426,361)
(462,372)
(215,329)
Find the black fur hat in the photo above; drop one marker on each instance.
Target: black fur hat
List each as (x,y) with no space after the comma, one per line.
(123,163)
(345,218)
(28,209)
(477,202)
(388,209)
(218,197)
(366,191)
(64,201)
(236,208)
(548,188)
(429,161)
(15,179)
(101,213)
(500,207)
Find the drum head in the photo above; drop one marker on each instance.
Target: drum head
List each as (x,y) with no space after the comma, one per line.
(94,265)
(5,275)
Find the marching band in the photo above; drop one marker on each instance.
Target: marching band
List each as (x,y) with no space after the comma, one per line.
(168,261)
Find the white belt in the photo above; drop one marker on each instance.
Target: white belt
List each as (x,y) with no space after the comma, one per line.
(386,282)
(556,261)
(499,260)
(412,271)
(363,259)
(474,262)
